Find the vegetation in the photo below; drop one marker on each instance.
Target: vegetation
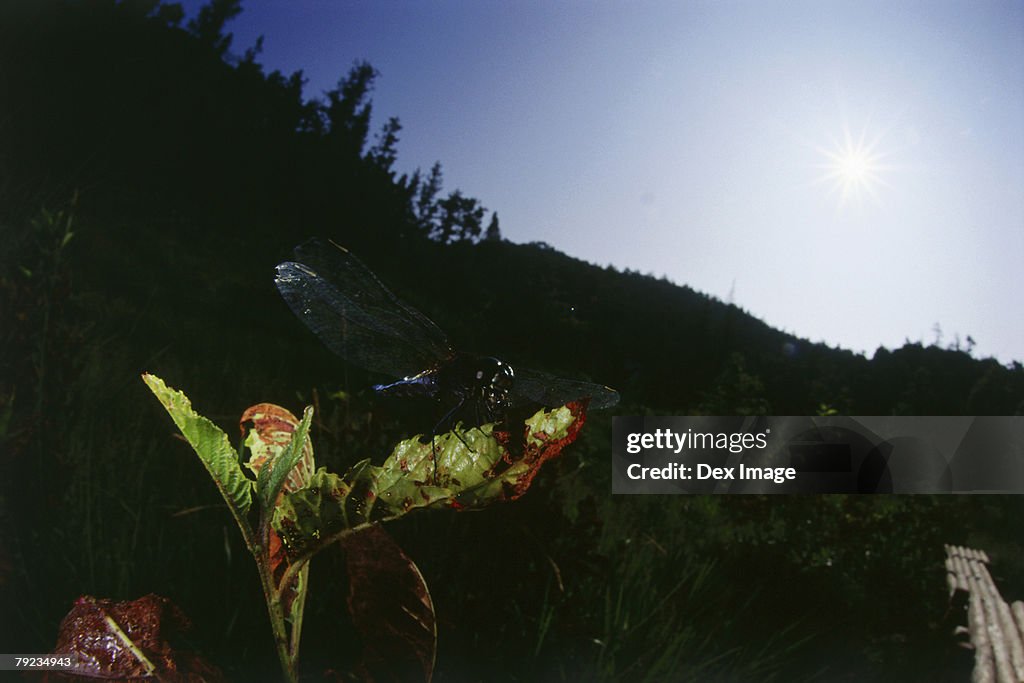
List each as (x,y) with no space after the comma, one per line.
(150,178)
(300,512)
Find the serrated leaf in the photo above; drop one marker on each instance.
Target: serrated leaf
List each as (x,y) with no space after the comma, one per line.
(213,448)
(465,468)
(270,436)
(271,479)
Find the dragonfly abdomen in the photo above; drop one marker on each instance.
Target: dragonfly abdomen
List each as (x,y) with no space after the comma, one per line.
(423,385)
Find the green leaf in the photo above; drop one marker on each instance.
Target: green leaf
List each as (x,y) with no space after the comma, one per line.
(465,468)
(213,448)
(271,479)
(270,435)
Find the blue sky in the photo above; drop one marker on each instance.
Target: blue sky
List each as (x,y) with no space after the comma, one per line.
(851,172)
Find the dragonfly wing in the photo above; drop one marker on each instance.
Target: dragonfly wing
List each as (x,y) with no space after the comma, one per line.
(552,391)
(355,315)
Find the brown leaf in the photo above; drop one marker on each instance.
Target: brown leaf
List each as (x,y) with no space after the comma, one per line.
(391,608)
(129,641)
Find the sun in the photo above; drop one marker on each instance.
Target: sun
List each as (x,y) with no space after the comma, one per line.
(854,168)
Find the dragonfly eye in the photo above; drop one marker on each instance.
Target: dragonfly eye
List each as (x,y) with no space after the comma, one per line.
(497,392)
(498,399)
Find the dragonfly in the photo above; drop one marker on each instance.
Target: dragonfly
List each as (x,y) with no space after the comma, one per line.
(351,311)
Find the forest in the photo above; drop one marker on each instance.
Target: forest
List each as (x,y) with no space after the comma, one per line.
(152,173)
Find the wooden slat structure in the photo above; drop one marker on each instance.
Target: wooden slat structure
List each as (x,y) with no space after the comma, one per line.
(994,627)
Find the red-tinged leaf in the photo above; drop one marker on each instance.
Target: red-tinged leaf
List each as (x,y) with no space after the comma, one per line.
(391,608)
(271,433)
(542,446)
(277,554)
(544,436)
(269,439)
(130,641)
(465,468)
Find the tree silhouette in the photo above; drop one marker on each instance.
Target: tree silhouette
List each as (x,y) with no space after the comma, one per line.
(493,232)
(460,219)
(424,198)
(208,26)
(385,152)
(348,109)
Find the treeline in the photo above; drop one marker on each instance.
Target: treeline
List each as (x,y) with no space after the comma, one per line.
(147,114)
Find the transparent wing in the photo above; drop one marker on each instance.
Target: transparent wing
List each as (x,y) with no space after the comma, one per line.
(552,391)
(355,315)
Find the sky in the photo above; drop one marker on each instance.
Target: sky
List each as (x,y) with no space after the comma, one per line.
(849,172)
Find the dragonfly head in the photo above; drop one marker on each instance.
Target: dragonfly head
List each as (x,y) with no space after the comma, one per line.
(495,378)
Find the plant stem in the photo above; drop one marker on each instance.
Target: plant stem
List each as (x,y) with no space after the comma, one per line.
(297,609)
(289,665)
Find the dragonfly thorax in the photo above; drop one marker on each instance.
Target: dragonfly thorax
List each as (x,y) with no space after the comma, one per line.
(485,381)
(497,379)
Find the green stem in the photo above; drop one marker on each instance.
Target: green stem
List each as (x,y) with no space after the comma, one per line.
(289,663)
(297,609)
(277,621)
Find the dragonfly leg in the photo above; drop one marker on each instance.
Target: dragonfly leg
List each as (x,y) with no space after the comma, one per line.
(433,437)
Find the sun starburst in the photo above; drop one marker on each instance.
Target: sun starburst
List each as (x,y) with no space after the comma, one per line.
(853,167)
